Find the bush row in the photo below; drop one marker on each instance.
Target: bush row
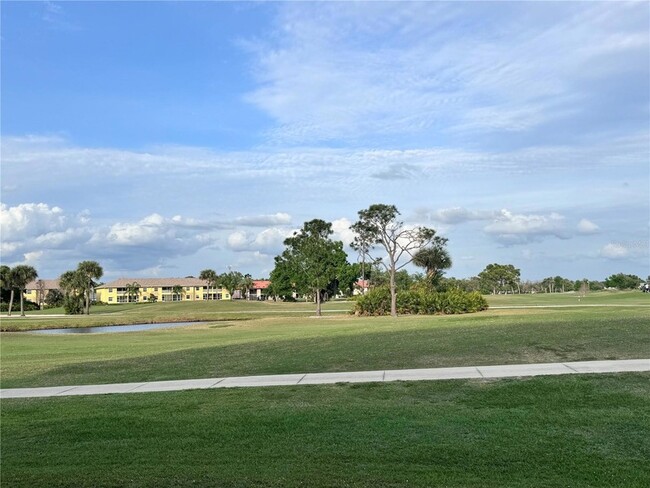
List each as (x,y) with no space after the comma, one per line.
(424,302)
(28,306)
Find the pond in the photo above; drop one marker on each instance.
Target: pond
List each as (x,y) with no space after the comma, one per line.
(108,329)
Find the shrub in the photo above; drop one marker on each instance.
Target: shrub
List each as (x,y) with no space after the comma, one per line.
(375,302)
(420,301)
(73,305)
(28,306)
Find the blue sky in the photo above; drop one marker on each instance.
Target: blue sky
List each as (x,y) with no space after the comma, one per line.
(164,138)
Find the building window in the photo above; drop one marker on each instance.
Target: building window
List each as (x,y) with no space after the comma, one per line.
(187,297)
(110,299)
(155,289)
(110,290)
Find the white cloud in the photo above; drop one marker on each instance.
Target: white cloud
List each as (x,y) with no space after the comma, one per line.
(342,231)
(509,228)
(29,219)
(268,241)
(368,70)
(587,227)
(614,251)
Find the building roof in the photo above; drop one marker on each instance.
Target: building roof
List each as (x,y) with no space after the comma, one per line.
(261,284)
(154,282)
(47,285)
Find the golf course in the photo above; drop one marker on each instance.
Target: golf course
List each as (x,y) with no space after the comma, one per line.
(577,430)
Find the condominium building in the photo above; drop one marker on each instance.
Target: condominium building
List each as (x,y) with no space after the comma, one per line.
(36,291)
(125,290)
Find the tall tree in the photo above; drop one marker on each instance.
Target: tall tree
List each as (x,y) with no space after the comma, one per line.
(40,293)
(6,283)
(21,275)
(231,281)
(434,259)
(379,225)
(88,272)
(246,284)
(499,277)
(311,259)
(211,277)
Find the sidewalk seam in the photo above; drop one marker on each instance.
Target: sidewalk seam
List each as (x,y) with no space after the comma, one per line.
(479,371)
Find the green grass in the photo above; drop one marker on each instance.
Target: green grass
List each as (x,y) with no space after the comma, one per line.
(126,314)
(276,345)
(611,298)
(577,431)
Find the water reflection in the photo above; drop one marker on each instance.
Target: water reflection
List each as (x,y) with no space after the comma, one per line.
(108,329)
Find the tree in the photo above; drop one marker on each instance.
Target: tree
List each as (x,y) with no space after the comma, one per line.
(72,283)
(623,281)
(211,277)
(246,284)
(20,276)
(6,283)
(177,291)
(311,259)
(54,298)
(347,276)
(499,278)
(88,272)
(40,293)
(434,259)
(231,281)
(133,291)
(379,225)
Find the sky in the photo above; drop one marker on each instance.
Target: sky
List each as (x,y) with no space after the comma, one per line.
(163,138)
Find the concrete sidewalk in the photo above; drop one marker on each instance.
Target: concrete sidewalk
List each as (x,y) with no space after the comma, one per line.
(477,372)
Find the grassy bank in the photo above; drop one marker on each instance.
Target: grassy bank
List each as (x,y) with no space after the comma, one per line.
(275,345)
(579,431)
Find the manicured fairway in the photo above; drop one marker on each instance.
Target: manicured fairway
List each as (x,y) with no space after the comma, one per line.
(343,343)
(579,431)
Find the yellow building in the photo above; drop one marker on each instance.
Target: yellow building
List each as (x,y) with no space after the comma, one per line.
(159,290)
(36,291)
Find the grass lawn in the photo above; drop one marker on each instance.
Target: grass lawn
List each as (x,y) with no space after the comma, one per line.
(275,345)
(126,314)
(577,431)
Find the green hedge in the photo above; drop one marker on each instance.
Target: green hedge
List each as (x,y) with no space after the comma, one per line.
(28,306)
(424,302)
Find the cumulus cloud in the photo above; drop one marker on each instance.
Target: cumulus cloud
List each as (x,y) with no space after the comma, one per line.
(510,228)
(614,251)
(342,231)
(268,241)
(29,219)
(587,227)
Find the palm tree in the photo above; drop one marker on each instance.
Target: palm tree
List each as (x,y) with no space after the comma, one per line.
(211,277)
(22,274)
(177,290)
(133,290)
(89,271)
(434,260)
(246,284)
